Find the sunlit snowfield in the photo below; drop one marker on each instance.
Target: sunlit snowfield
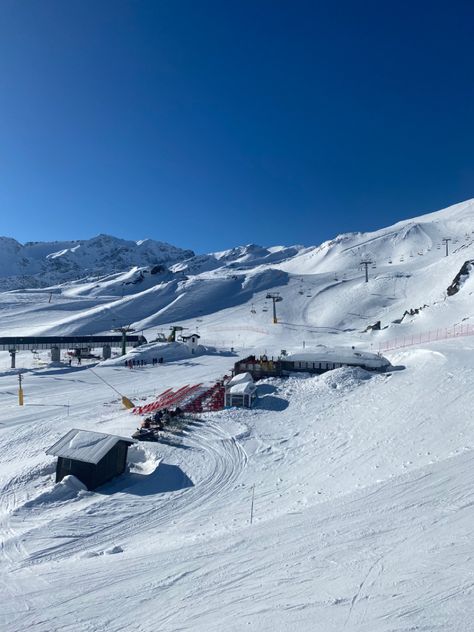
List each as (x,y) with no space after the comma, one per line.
(363,514)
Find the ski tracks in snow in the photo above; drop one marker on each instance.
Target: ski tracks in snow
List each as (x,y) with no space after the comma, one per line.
(94,523)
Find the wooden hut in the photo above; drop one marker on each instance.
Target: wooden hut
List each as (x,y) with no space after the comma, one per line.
(92,457)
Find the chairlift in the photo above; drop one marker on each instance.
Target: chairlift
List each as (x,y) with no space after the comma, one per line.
(390,261)
(253,310)
(265,309)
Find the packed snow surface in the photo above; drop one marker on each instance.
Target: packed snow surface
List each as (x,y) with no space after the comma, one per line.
(341,502)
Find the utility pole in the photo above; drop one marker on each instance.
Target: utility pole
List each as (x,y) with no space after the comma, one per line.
(124,331)
(20,390)
(446,241)
(366,263)
(251,504)
(276,298)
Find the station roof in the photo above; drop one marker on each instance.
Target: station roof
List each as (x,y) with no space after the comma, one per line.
(64,342)
(343,355)
(86,445)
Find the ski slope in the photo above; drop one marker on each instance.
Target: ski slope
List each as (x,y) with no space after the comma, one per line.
(362,482)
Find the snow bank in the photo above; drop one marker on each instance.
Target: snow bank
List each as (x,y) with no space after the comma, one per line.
(67,489)
(169,351)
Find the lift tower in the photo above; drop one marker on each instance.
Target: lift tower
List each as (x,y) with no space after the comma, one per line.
(173,330)
(124,331)
(276,298)
(366,263)
(446,241)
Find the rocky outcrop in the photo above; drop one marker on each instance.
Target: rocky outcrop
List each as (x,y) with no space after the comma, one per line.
(460,277)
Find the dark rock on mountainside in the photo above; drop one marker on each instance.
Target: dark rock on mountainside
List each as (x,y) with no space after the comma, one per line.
(460,277)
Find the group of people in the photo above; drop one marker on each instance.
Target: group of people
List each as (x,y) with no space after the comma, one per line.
(148,430)
(136,363)
(161,418)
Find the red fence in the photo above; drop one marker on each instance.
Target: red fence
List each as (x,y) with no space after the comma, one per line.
(428,336)
(169,399)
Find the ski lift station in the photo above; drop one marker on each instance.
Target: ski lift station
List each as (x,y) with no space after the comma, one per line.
(320,360)
(92,457)
(78,343)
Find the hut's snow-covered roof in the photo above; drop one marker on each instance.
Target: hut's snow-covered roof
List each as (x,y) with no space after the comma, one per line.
(342,355)
(244,388)
(240,378)
(85,445)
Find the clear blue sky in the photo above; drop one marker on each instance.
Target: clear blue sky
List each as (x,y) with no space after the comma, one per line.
(211,124)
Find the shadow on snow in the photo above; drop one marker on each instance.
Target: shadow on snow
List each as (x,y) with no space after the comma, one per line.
(165,478)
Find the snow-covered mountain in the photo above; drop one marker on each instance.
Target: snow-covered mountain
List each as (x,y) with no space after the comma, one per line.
(38,264)
(323,287)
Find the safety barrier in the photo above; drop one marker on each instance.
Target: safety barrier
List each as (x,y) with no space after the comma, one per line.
(190,398)
(209,400)
(257,330)
(168,399)
(445,333)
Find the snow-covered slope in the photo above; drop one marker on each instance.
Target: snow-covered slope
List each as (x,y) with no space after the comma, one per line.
(323,288)
(360,483)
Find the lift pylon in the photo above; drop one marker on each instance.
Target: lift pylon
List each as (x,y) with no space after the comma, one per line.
(173,330)
(275,298)
(124,331)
